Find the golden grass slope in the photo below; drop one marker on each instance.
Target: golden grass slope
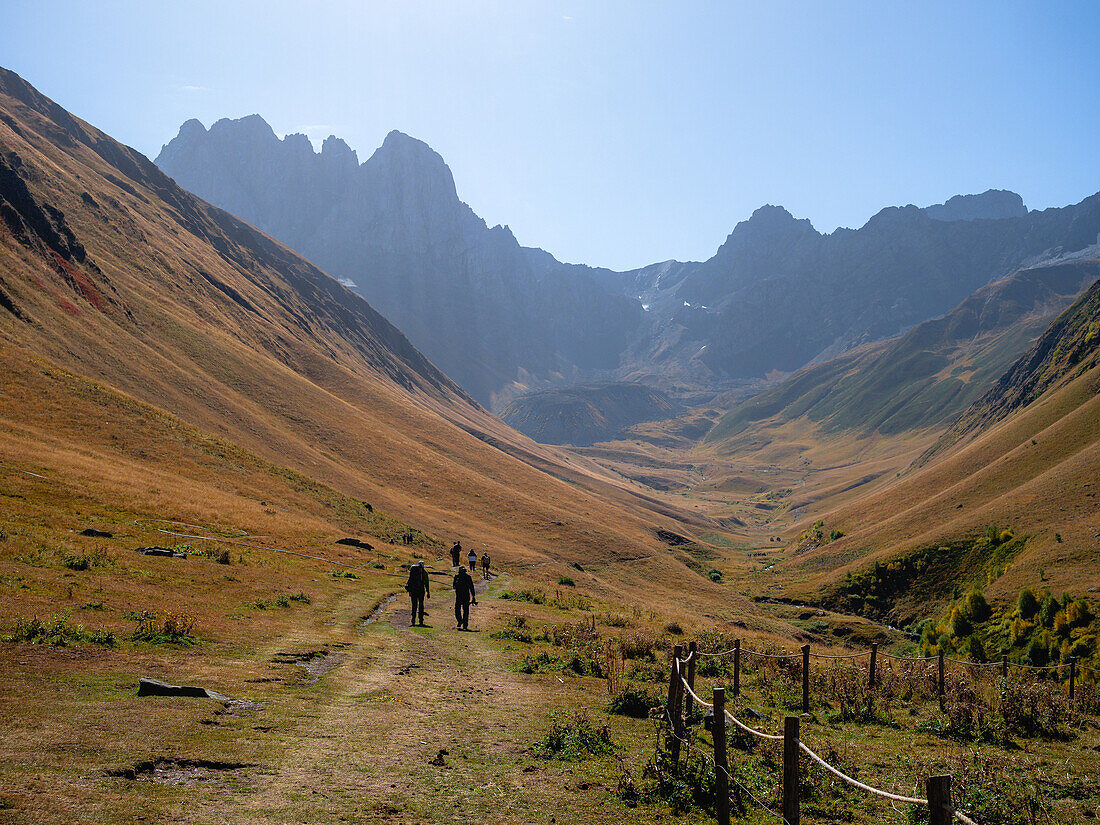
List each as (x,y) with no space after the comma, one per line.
(1035,472)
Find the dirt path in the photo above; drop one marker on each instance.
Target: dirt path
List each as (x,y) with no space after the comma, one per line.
(415,725)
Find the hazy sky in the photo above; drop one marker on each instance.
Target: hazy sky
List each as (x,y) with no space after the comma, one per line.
(614,133)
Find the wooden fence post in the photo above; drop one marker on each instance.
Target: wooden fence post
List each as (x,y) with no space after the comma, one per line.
(805,678)
(693,654)
(939,800)
(1072,675)
(790,770)
(874,659)
(939,680)
(721,765)
(736,667)
(672,708)
(1004,666)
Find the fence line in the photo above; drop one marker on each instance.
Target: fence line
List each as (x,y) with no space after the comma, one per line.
(860,654)
(939,788)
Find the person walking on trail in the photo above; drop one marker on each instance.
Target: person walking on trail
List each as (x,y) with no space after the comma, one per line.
(485,565)
(456,549)
(418,589)
(472,558)
(464,597)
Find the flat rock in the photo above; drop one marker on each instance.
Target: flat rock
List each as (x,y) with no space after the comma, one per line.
(148,686)
(99,534)
(157,550)
(350,542)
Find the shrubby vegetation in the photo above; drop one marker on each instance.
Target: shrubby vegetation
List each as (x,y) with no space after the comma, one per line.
(58,632)
(931,572)
(1039,629)
(574,737)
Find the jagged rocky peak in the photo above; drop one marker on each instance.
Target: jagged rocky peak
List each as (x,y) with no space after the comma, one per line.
(247,128)
(768,225)
(993,204)
(401,158)
(335,147)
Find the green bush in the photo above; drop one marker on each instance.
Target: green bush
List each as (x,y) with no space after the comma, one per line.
(715,575)
(1027,604)
(173,628)
(574,737)
(633,702)
(58,633)
(977,608)
(565,581)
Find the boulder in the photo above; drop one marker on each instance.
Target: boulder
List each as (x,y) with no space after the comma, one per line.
(350,542)
(148,686)
(99,534)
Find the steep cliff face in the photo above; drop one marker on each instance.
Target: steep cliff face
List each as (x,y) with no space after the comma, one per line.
(492,314)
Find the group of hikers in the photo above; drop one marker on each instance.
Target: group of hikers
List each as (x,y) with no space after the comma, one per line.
(418,588)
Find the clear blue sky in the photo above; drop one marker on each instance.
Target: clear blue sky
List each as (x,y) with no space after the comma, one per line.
(614,133)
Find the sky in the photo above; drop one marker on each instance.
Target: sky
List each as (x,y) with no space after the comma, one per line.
(614,133)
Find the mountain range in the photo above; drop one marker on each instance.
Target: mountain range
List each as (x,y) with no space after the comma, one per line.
(502,319)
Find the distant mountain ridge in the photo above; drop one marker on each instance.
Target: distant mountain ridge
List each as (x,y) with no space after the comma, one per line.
(930,374)
(503,320)
(993,204)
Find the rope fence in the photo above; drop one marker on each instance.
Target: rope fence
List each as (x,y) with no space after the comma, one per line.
(737,651)
(681,685)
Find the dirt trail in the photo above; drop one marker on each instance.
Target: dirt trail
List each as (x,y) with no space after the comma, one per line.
(367,744)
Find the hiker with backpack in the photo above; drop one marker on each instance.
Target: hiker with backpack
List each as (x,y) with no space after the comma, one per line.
(417,588)
(464,597)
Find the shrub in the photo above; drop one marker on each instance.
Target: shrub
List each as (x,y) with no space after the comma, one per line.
(525,595)
(565,581)
(648,672)
(641,645)
(1027,604)
(1031,708)
(537,662)
(977,608)
(960,624)
(836,534)
(715,575)
(515,627)
(1048,610)
(301,598)
(174,628)
(58,632)
(674,628)
(574,738)
(86,561)
(1037,653)
(633,702)
(344,574)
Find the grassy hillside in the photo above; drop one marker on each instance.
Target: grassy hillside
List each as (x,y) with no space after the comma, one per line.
(929,375)
(1027,465)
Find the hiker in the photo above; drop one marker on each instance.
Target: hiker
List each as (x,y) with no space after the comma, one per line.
(456,548)
(485,565)
(472,558)
(417,587)
(464,597)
